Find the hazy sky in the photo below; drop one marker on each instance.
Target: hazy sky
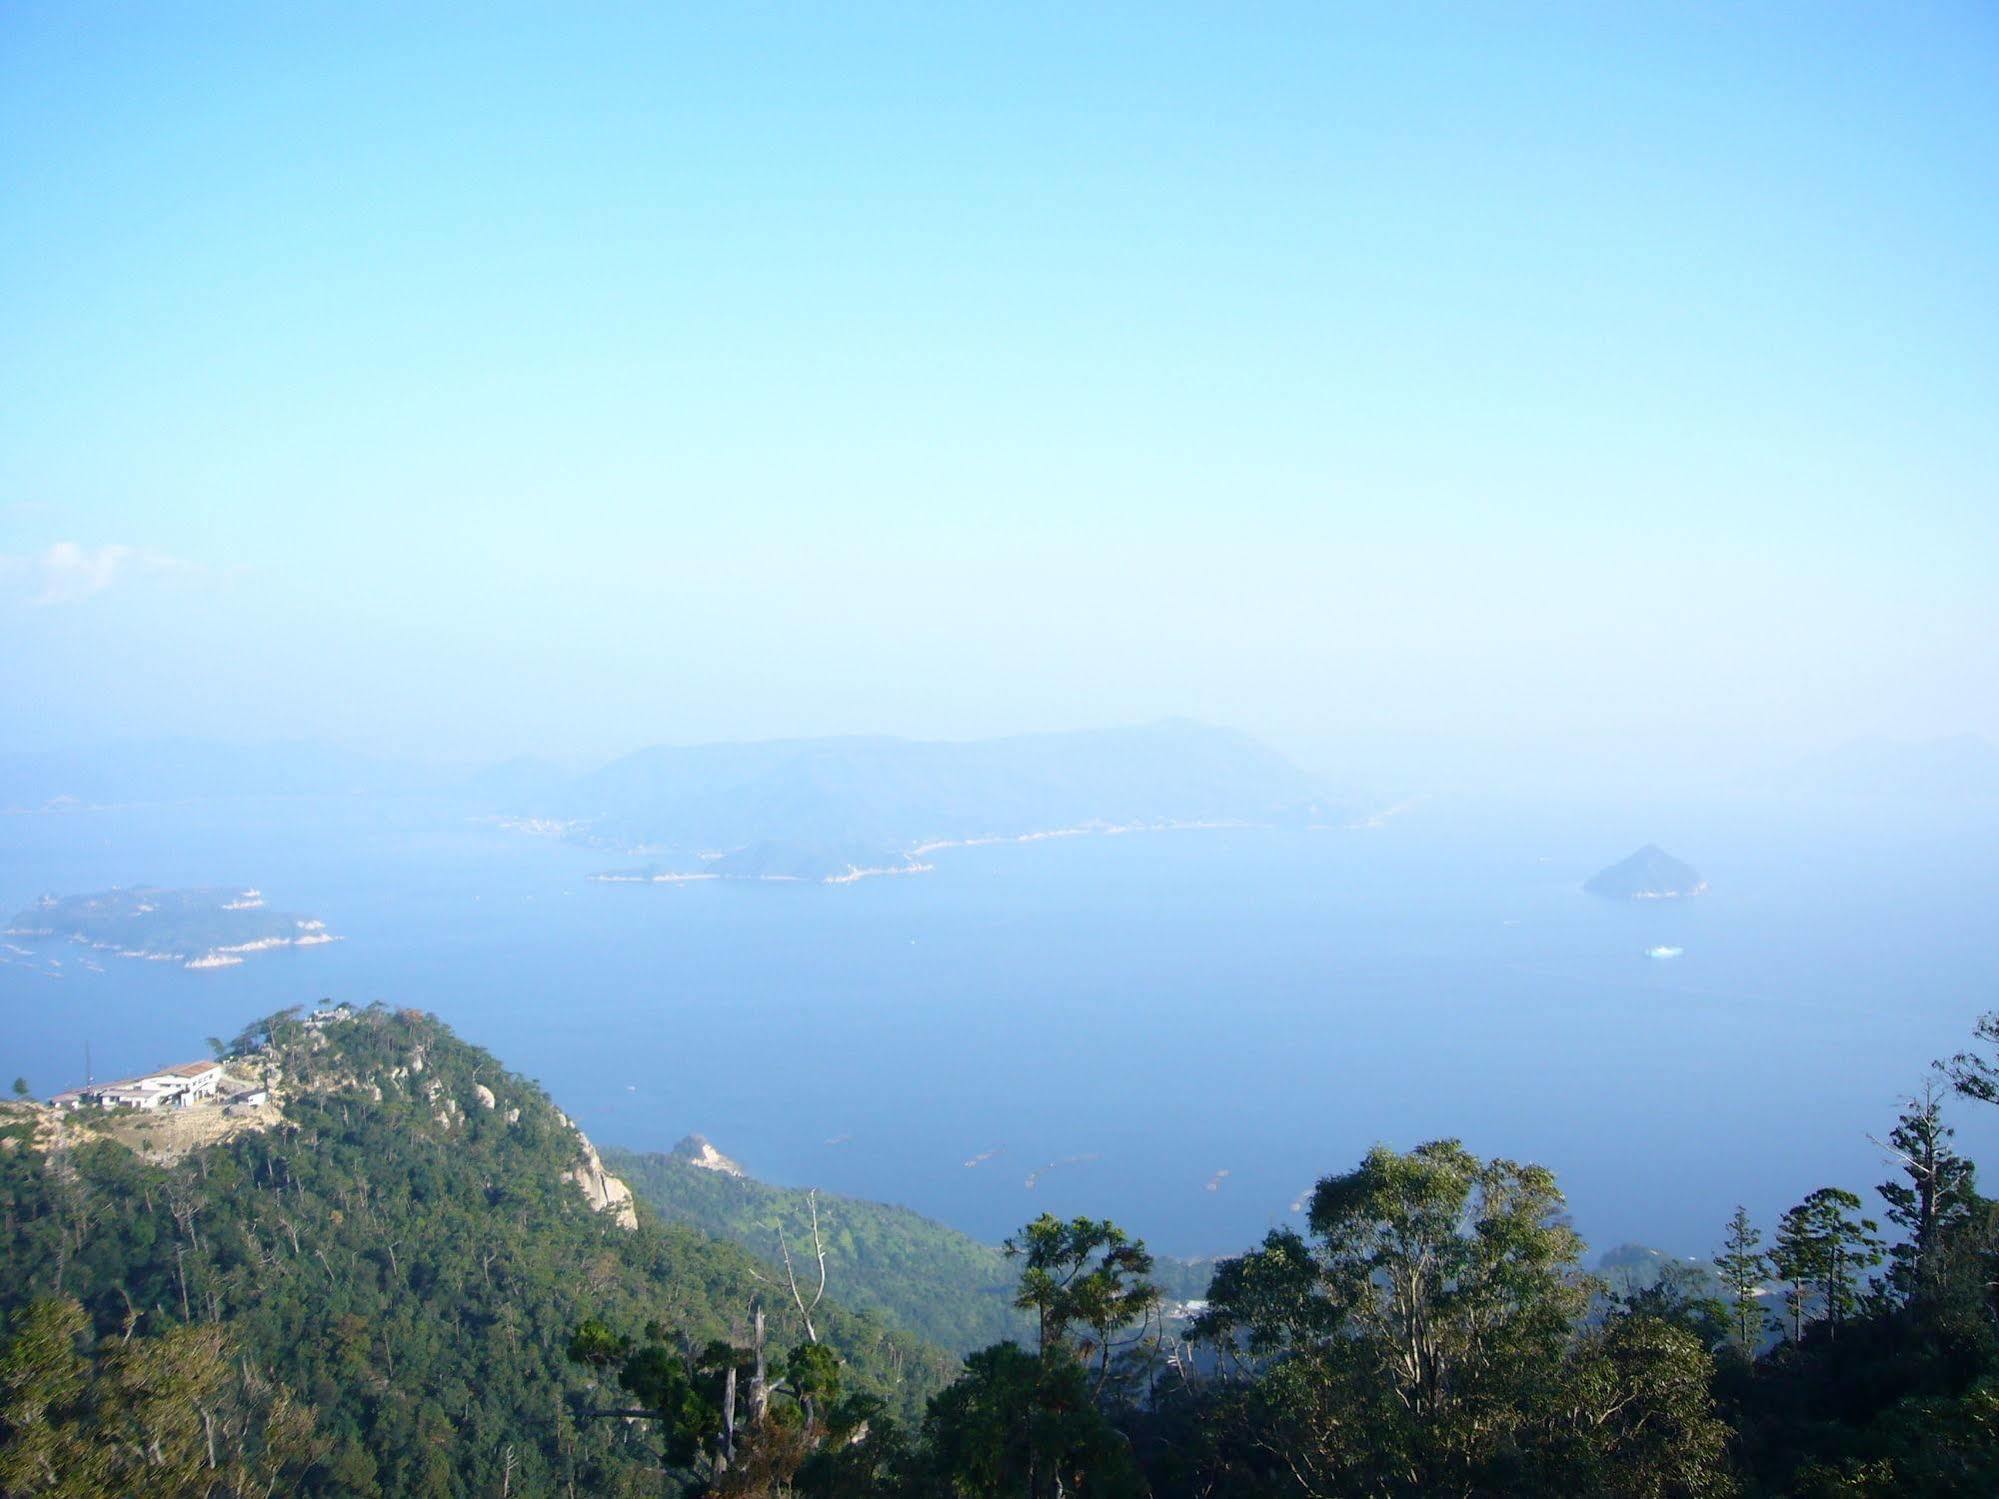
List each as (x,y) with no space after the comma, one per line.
(1609,378)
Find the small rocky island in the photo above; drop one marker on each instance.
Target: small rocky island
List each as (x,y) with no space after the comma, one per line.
(207,928)
(1649,874)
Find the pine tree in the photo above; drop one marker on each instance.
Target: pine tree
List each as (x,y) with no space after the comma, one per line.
(1820,1252)
(1743,1268)
(1937,1198)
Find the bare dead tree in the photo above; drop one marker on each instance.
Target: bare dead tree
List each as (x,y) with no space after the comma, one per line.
(805,1311)
(728,1418)
(132,1313)
(180,1274)
(760,1378)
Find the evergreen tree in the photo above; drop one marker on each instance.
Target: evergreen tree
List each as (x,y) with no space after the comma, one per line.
(1682,1297)
(185,1413)
(1020,1426)
(1084,1273)
(1822,1248)
(1973,1075)
(1744,1268)
(1935,1202)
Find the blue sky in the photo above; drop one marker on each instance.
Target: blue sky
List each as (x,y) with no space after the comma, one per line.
(1533,379)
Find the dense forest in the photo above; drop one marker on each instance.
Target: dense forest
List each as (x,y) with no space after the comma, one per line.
(399,1287)
(945,1286)
(403,1256)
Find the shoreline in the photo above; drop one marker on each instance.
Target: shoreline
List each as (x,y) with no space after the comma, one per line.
(854,873)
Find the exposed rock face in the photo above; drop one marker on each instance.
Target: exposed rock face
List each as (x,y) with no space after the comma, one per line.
(603,1191)
(485,1096)
(696,1151)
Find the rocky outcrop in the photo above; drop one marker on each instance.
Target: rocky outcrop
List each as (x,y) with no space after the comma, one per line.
(603,1191)
(696,1151)
(485,1096)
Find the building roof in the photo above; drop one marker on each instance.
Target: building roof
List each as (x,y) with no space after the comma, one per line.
(188,1069)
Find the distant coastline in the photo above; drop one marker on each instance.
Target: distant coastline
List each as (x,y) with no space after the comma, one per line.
(201,930)
(915,859)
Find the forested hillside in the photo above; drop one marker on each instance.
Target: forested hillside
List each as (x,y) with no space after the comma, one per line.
(1431,1330)
(417,1279)
(407,1250)
(943,1285)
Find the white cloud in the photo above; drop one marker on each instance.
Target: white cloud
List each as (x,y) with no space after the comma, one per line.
(68,573)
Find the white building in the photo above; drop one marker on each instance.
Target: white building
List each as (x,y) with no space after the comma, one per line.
(131,1095)
(170,1087)
(189,1081)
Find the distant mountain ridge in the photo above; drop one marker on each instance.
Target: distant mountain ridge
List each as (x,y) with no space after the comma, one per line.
(819,808)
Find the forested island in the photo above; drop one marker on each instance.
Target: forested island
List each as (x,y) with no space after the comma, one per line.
(409,1273)
(202,928)
(837,810)
(1649,874)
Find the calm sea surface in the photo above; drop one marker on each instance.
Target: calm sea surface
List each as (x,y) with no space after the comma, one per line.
(1128,1016)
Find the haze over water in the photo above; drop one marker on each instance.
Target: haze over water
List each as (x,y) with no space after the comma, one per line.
(1559,412)
(1140,1012)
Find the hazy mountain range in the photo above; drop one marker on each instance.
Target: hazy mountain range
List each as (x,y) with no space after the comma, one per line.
(798,808)
(813,806)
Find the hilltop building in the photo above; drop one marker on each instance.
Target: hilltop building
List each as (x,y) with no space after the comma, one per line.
(170,1087)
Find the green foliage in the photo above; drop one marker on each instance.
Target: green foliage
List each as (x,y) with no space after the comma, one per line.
(412,1263)
(1934,1202)
(179,1414)
(1744,1268)
(423,1272)
(1973,1075)
(1822,1247)
(712,1411)
(1086,1273)
(1897,1395)
(1429,1342)
(1683,1296)
(944,1286)
(1017,1425)
(864,1454)
(1631,1413)
(813,1371)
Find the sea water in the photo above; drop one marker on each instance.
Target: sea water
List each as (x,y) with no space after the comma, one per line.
(1118,1019)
